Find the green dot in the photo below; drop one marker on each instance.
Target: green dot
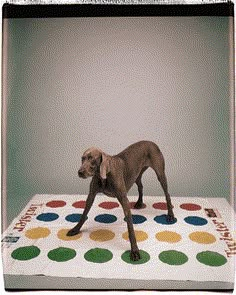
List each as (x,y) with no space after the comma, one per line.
(211,258)
(144,257)
(173,257)
(98,255)
(61,254)
(25,253)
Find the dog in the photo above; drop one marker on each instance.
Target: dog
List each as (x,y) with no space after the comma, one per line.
(115,175)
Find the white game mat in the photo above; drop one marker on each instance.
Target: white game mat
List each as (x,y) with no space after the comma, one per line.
(197,248)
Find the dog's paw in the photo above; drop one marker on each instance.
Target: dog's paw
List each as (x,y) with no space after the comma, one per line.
(135,255)
(170,218)
(73,232)
(138,205)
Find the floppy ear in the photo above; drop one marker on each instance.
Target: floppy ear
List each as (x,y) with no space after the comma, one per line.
(104,166)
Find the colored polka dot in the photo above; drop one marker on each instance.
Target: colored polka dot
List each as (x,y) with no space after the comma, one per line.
(132,204)
(137,219)
(61,254)
(98,255)
(47,217)
(102,235)
(160,206)
(190,207)
(37,233)
(139,234)
(79,204)
(195,220)
(168,236)
(211,258)
(25,253)
(162,219)
(62,235)
(173,257)
(56,204)
(108,205)
(202,237)
(74,217)
(144,257)
(105,218)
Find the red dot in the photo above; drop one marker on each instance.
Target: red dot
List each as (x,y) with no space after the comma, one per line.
(160,206)
(190,207)
(108,205)
(131,205)
(56,204)
(79,204)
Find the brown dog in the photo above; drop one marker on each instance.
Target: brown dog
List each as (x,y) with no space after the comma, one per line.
(115,175)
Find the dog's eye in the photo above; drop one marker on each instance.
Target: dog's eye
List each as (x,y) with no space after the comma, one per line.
(82,159)
(90,157)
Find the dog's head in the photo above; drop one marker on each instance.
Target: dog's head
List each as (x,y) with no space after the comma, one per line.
(94,161)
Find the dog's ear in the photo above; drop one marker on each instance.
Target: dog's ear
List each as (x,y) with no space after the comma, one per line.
(104,166)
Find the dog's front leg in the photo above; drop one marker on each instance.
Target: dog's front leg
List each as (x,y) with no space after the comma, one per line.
(134,254)
(89,202)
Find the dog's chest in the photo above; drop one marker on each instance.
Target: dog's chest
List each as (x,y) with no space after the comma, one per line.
(107,188)
(108,193)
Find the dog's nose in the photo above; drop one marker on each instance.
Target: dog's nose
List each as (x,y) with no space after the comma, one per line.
(81,173)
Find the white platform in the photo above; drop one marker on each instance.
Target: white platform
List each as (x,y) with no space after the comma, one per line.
(78,273)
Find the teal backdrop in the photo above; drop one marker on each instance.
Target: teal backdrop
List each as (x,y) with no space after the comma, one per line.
(72,83)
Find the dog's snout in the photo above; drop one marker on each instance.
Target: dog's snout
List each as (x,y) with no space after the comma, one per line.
(81,173)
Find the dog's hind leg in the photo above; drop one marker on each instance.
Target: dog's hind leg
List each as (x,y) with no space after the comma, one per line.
(158,166)
(139,203)
(163,182)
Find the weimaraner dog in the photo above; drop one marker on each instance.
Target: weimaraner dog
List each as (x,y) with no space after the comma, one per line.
(115,175)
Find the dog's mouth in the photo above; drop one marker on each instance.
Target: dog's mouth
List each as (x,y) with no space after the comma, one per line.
(84,175)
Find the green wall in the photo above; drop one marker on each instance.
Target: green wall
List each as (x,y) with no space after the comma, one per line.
(108,82)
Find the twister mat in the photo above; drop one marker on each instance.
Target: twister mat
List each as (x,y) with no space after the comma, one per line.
(198,245)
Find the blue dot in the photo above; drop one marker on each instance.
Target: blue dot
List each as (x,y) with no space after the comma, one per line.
(74,217)
(47,217)
(137,219)
(162,219)
(105,218)
(195,220)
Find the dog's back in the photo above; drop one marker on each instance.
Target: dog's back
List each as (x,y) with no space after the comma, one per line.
(141,151)
(137,157)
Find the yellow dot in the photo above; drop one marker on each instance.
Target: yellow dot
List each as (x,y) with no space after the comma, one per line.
(202,237)
(168,236)
(139,234)
(102,235)
(62,235)
(37,233)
